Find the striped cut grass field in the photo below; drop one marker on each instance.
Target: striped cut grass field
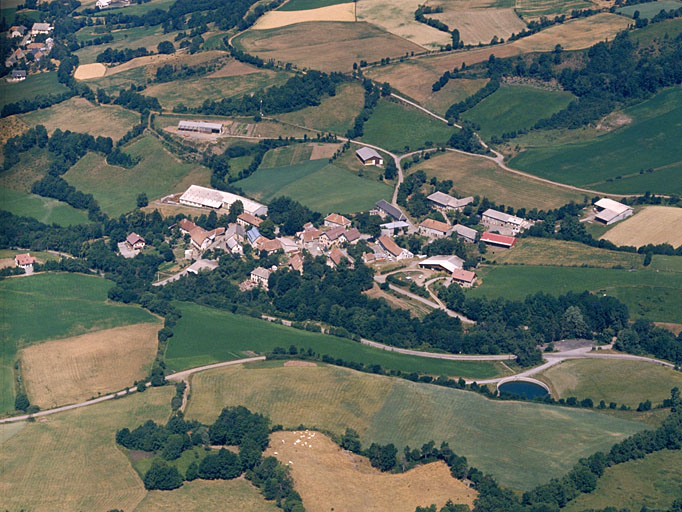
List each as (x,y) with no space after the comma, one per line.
(521,444)
(70,461)
(652,225)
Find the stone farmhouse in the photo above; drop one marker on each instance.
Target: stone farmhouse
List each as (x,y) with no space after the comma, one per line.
(492,219)
(434,228)
(393,251)
(260,277)
(25,261)
(444,202)
(465,233)
(334,220)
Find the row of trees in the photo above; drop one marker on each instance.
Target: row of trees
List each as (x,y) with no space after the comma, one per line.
(111,55)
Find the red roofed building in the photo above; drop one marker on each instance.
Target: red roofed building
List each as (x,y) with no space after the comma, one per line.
(498,240)
(434,228)
(393,250)
(334,219)
(247,220)
(135,241)
(464,278)
(25,261)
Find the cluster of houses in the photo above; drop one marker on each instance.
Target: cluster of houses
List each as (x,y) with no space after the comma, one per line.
(28,45)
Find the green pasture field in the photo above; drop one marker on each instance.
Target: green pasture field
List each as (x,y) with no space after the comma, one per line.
(32,166)
(645,36)
(49,306)
(522,444)
(138,9)
(303,5)
(116,189)
(603,379)
(401,130)
(654,481)
(507,109)
(647,293)
(75,458)
(477,176)
(454,91)
(317,184)
(204,336)
(114,83)
(649,10)
(647,142)
(10,13)
(193,92)
(547,251)
(204,495)
(215,42)
(334,114)
(79,115)
(44,209)
(287,155)
(136,37)
(666,263)
(41,83)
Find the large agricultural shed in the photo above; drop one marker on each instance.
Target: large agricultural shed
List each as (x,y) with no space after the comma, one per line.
(611,211)
(211,198)
(200,127)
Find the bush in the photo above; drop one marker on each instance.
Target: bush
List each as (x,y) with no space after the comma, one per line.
(21,402)
(162,476)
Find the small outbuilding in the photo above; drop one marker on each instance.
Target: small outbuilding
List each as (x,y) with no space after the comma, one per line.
(369,156)
(135,241)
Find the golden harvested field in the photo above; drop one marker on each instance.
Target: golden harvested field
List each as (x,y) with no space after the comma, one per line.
(652,225)
(70,461)
(276,19)
(480,176)
(70,370)
(208,496)
(79,115)
(233,68)
(397,17)
(573,35)
(545,251)
(329,478)
(325,45)
(11,126)
(481,25)
(323,150)
(86,71)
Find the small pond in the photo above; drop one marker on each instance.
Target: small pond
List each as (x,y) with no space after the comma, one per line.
(523,387)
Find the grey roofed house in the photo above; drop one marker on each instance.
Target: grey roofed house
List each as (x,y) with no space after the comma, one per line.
(465,232)
(39,28)
(444,200)
(18,74)
(253,234)
(235,230)
(391,210)
(366,153)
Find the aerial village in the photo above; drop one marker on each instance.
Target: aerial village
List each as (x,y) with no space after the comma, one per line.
(241,226)
(33,45)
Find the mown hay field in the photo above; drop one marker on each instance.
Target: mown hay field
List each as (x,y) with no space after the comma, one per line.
(328,477)
(282,18)
(325,45)
(546,251)
(481,25)
(208,496)
(37,84)
(651,225)
(401,129)
(521,444)
(612,380)
(628,152)
(70,461)
(397,17)
(44,209)
(89,71)
(533,9)
(647,293)
(49,306)
(74,369)
(157,174)
(205,335)
(479,176)
(79,115)
(506,110)
(653,482)
(572,35)
(193,92)
(317,184)
(334,114)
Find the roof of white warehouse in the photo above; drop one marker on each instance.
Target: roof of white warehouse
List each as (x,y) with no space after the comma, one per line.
(449,263)
(216,198)
(366,153)
(614,206)
(189,125)
(502,217)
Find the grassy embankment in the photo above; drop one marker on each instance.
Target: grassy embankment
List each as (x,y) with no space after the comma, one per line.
(204,335)
(34,85)
(522,444)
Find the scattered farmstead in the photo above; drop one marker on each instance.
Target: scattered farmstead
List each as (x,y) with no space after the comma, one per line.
(369,156)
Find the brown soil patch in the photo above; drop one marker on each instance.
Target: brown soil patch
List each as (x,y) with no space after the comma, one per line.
(613,121)
(136,455)
(676,329)
(481,25)
(652,225)
(7,262)
(276,19)
(233,68)
(11,126)
(329,478)
(300,363)
(327,46)
(324,150)
(87,71)
(69,370)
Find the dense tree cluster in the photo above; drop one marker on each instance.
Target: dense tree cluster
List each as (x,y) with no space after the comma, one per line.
(133,100)
(111,55)
(643,337)
(372,95)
